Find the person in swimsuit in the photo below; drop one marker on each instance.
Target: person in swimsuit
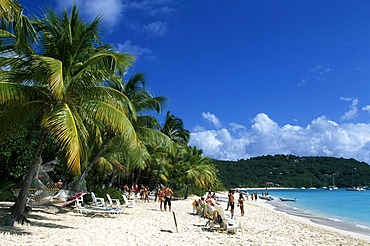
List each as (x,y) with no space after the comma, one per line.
(161,198)
(232,205)
(168,193)
(241,204)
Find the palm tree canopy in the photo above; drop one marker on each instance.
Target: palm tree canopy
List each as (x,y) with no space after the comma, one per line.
(66,76)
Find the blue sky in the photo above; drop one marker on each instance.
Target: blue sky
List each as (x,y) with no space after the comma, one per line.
(250,78)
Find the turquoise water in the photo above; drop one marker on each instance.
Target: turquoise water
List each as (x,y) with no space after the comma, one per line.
(347,210)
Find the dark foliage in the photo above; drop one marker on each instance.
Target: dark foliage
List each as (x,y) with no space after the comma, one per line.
(293,171)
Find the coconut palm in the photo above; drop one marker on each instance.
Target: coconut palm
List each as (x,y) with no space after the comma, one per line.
(196,169)
(174,128)
(157,144)
(60,84)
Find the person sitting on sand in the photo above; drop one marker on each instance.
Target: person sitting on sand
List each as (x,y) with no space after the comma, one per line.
(168,193)
(59,184)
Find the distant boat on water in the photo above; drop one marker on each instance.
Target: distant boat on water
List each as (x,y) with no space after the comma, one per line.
(287,199)
(268,198)
(355,189)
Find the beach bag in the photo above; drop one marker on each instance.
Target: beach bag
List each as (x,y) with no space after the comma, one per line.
(219,219)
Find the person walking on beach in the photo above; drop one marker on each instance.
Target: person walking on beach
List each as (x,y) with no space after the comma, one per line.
(241,204)
(228,200)
(168,193)
(232,205)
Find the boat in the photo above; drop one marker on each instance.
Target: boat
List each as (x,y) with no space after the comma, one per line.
(355,189)
(288,199)
(268,198)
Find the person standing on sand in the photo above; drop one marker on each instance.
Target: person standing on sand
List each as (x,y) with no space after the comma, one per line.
(232,205)
(241,204)
(160,198)
(228,200)
(168,193)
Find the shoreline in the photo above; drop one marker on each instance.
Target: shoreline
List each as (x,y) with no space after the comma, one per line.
(145,224)
(319,222)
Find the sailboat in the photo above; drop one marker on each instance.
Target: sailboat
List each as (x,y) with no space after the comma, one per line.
(333,187)
(311,187)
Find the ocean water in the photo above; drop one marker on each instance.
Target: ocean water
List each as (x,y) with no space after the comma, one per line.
(346,210)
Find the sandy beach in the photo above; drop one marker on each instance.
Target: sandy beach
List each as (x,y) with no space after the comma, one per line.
(145,224)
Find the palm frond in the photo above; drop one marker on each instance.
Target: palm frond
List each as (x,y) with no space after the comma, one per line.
(66,129)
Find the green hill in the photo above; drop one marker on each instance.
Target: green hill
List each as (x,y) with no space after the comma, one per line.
(293,171)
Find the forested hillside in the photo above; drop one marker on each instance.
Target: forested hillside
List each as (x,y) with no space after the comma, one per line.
(293,171)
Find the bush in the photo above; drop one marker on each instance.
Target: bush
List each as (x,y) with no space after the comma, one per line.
(6,193)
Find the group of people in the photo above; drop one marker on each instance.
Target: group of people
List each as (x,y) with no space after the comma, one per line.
(231,203)
(162,195)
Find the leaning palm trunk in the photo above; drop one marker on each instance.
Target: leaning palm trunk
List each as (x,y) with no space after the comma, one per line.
(20,204)
(80,184)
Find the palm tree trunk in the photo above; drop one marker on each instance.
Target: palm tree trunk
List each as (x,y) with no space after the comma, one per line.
(20,204)
(157,176)
(114,175)
(186,191)
(80,184)
(138,176)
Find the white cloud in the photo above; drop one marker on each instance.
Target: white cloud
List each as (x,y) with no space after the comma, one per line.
(212,118)
(366,108)
(156,28)
(111,10)
(317,73)
(322,137)
(353,109)
(131,49)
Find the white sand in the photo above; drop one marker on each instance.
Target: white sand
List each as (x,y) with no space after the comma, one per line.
(146,225)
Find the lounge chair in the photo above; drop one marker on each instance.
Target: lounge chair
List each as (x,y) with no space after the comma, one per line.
(99,208)
(113,202)
(228,224)
(224,223)
(127,203)
(99,211)
(98,202)
(209,214)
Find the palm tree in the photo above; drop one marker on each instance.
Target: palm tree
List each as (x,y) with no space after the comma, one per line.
(174,128)
(62,87)
(157,144)
(196,169)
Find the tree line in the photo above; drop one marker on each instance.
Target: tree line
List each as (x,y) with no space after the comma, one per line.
(293,171)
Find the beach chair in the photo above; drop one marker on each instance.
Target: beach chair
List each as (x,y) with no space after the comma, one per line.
(228,224)
(98,202)
(99,211)
(99,208)
(113,202)
(209,214)
(127,203)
